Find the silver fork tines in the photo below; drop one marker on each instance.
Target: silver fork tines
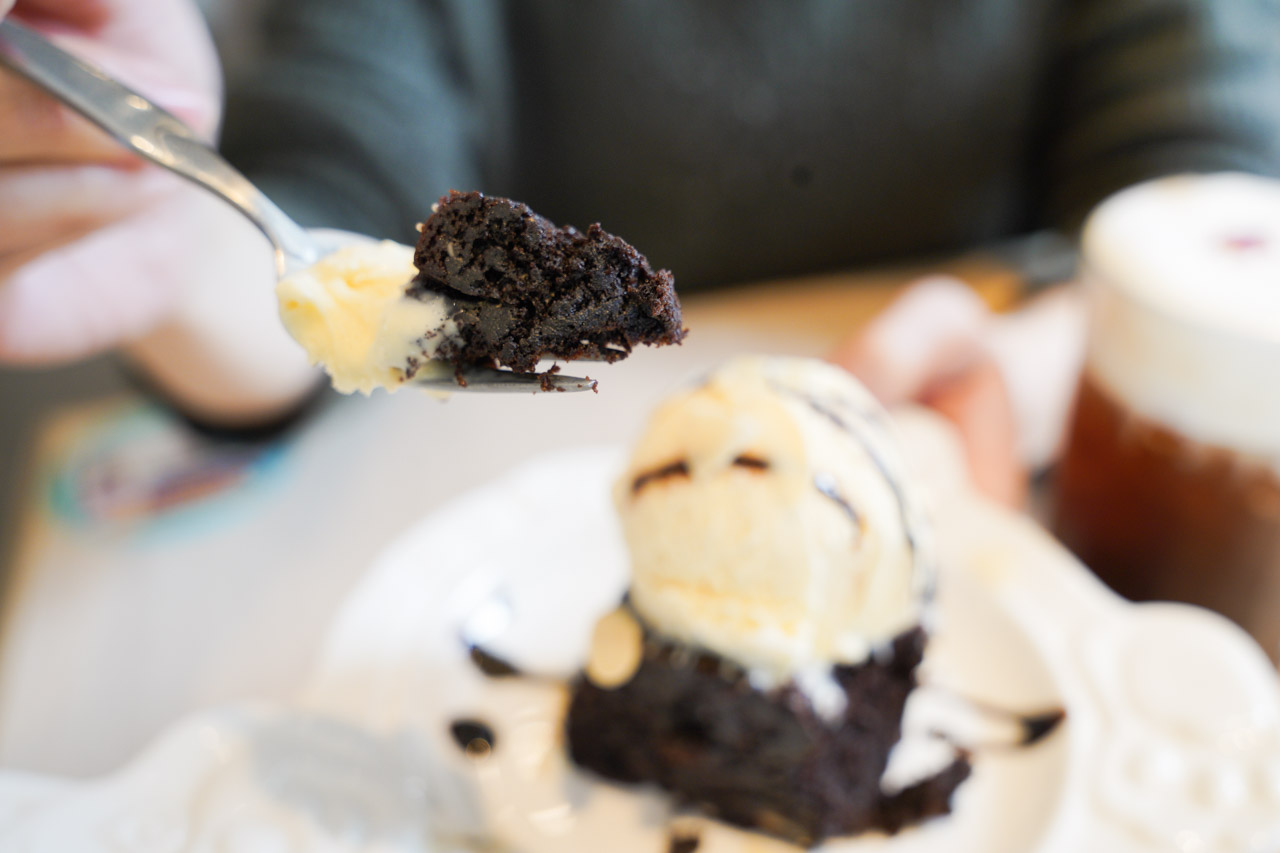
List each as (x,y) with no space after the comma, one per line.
(488,379)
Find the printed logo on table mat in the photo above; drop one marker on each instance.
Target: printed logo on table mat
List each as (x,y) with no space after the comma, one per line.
(135,464)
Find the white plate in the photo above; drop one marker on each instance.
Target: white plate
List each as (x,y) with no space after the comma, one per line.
(1172,740)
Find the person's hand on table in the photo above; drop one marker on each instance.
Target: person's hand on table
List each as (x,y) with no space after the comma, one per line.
(99,249)
(1004,381)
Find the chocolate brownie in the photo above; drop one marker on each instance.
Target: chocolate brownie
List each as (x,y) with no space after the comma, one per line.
(523,289)
(691,722)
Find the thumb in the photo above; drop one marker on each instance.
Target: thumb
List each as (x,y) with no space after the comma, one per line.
(927,331)
(977,404)
(110,285)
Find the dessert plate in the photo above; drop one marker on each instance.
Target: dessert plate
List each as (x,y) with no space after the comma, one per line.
(402,742)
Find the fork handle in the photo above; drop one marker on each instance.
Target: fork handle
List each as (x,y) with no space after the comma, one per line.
(151,132)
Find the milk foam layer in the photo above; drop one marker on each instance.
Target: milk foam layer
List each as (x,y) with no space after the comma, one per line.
(767,520)
(1185,288)
(351,313)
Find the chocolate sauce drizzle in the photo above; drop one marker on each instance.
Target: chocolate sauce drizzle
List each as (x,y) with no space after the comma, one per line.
(827,485)
(753,462)
(490,664)
(1032,727)
(1037,727)
(683,843)
(679,468)
(474,737)
(896,487)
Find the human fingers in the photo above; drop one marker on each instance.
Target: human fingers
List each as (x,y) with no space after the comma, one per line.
(40,205)
(929,346)
(35,128)
(104,287)
(82,14)
(976,402)
(157,47)
(186,285)
(929,329)
(1040,352)
(161,48)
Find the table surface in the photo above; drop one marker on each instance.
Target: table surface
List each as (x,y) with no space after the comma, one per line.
(115,625)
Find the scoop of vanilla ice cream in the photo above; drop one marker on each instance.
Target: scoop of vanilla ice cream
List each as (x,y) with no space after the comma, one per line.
(351,313)
(769,521)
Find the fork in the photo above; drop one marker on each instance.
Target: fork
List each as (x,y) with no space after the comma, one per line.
(164,139)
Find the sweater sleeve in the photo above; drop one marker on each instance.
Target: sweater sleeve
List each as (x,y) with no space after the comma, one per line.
(360,115)
(1152,87)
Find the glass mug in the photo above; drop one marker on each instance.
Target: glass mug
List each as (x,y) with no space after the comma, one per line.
(1169,487)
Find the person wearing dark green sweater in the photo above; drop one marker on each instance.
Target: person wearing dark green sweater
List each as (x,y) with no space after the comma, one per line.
(735,140)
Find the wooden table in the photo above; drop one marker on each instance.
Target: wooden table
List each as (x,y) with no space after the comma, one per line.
(827,308)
